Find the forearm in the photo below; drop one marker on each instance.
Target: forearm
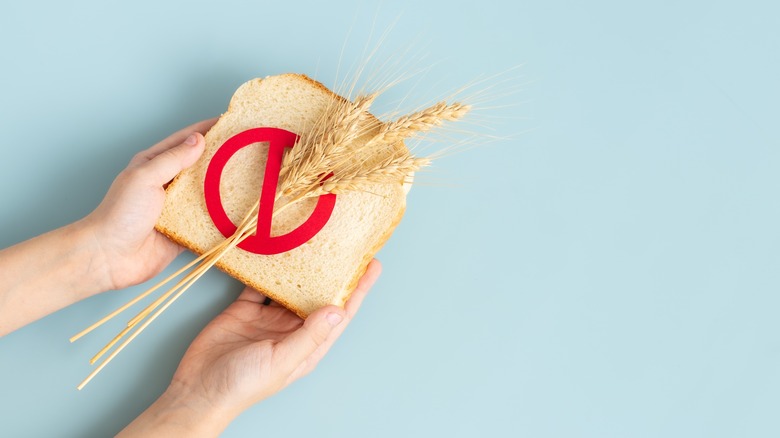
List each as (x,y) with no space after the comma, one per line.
(47,273)
(174,414)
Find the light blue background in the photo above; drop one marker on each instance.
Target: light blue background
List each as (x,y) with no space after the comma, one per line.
(609,270)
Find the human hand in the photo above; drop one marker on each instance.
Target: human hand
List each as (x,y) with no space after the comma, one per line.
(122,226)
(115,246)
(246,354)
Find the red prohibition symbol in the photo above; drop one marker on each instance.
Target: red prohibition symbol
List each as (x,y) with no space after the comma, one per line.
(262,242)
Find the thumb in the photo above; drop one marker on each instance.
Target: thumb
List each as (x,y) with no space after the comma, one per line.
(302,343)
(165,166)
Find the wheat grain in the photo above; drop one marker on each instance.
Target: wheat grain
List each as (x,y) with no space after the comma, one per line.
(325,160)
(413,124)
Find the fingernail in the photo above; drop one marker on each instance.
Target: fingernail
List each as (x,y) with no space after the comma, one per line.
(334,319)
(191,140)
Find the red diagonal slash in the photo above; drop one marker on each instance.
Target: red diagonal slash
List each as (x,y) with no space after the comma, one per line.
(262,242)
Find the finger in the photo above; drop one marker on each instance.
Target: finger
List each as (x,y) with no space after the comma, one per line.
(249,294)
(255,296)
(173,140)
(271,303)
(368,279)
(373,271)
(178,137)
(165,166)
(302,343)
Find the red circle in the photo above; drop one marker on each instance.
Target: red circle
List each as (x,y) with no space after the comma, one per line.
(262,242)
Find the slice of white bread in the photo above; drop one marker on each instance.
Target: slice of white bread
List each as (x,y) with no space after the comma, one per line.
(322,271)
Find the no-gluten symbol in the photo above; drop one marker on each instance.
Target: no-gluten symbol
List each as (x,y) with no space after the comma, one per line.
(262,242)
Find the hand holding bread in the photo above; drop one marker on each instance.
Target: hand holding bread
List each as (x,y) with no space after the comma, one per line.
(115,246)
(246,354)
(131,250)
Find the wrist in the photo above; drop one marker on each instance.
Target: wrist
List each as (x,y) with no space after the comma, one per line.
(50,272)
(92,267)
(178,412)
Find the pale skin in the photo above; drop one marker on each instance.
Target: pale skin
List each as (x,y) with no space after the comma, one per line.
(246,354)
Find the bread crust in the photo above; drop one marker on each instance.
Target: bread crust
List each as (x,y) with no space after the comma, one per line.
(358,271)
